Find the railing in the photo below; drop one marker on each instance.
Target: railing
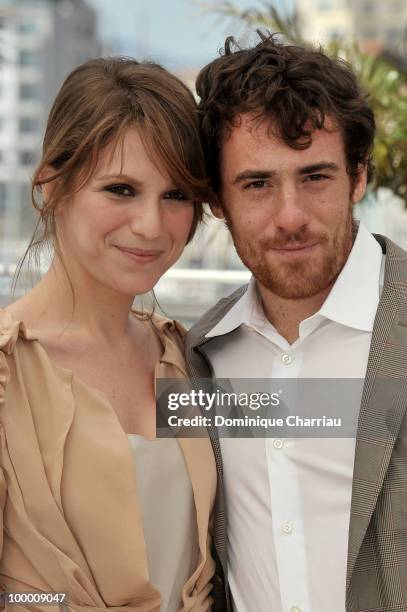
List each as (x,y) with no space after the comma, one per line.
(182,293)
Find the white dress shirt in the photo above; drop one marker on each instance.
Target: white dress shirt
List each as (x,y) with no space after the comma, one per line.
(288,500)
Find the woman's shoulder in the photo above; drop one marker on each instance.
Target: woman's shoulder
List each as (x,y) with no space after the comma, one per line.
(11,330)
(168,327)
(171,334)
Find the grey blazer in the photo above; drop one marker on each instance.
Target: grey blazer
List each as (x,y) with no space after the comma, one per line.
(377,551)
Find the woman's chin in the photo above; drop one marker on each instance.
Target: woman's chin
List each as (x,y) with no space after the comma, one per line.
(141,287)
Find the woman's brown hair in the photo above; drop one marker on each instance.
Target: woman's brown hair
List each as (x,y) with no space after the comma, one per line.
(96,104)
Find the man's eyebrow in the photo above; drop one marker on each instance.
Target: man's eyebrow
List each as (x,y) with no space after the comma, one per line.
(312,168)
(266,174)
(253,174)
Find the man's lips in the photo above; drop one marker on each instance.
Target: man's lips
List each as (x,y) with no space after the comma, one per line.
(294,249)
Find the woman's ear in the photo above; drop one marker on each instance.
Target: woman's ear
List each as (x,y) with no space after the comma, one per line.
(47,186)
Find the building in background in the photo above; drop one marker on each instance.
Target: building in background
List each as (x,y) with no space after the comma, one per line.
(41,41)
(380,25)
(376,25)
(325,20)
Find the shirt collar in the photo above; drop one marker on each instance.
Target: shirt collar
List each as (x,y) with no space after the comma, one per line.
(352,301)
(354,298)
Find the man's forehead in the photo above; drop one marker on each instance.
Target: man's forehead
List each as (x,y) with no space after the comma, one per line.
(266,127)
(250,137)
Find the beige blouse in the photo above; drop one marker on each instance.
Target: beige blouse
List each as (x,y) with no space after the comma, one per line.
(71,515)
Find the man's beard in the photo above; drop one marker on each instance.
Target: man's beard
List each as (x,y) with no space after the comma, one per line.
(298,278)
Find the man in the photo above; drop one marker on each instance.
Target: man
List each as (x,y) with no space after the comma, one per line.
(313,524)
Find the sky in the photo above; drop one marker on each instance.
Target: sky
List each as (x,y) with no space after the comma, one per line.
(177,33)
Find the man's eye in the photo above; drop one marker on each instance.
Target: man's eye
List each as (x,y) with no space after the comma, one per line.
(316,178)
(175,195)
(120,190)
(259,184)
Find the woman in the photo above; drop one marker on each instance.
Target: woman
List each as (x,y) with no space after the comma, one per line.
(92,504)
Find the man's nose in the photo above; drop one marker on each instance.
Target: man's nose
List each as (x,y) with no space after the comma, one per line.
(290,210)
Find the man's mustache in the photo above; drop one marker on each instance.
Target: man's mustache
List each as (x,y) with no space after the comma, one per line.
(297,240)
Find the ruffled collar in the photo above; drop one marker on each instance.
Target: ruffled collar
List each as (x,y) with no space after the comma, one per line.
(170,333)
(10,330)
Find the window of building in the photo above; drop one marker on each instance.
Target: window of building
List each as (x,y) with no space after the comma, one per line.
(27,158)
(3,202)
(28,215)
(370,33)
(399,5)
(28,125)
(324,5)
(3,206)
(393,35)
(28,25)
(28,91)
(27,57)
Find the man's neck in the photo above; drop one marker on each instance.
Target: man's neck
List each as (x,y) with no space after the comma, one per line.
(287,314)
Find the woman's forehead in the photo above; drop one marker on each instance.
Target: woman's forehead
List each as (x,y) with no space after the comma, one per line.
(128,153)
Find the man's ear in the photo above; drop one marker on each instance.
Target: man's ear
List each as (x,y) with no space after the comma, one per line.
(359,184)
(217,209)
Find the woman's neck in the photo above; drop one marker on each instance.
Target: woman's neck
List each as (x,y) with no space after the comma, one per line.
(79,308)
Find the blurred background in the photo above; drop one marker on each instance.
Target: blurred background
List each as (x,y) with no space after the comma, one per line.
(41,41)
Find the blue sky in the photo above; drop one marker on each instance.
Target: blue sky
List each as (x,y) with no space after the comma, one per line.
(175,32)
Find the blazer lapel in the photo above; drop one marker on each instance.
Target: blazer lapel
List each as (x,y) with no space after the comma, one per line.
(383,401)
(219,528)
(199,368)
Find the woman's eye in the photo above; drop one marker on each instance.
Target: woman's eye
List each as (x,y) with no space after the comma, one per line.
(259,184)
(120,190)
(175,195)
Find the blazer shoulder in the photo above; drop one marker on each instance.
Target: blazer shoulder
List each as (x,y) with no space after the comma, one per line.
(396,259)
(213,316)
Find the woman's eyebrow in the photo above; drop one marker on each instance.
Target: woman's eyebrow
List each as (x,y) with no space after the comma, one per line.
(118,176)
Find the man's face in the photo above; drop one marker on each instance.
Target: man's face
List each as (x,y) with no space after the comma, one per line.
(289,211)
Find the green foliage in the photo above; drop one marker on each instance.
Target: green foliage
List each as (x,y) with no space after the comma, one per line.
(385,84)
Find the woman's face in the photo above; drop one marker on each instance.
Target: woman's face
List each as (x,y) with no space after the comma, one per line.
(128,224)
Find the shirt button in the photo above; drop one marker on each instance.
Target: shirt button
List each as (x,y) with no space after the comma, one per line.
(295,609)
(278,444)
(286,359)
(287,527)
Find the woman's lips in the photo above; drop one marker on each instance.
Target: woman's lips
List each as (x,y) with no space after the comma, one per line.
(139,255)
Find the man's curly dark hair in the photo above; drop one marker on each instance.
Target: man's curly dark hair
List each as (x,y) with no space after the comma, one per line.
(293,87)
